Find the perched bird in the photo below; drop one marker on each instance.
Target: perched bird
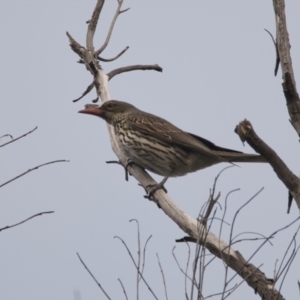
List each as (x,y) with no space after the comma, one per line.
(160,147)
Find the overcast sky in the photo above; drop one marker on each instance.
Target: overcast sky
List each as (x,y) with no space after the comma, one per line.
(218,65)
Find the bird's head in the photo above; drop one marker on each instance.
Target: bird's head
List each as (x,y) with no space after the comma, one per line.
(109,110)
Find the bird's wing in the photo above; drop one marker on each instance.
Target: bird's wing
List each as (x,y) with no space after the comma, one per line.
(167,132)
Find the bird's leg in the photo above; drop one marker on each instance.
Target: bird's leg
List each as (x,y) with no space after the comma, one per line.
(154,187)
(129,163)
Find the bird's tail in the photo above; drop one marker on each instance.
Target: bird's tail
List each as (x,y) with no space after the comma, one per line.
(244,157)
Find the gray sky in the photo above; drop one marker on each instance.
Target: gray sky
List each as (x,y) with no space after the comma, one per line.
(218,67)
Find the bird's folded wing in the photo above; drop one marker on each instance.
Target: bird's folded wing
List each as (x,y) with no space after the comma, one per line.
(164,131)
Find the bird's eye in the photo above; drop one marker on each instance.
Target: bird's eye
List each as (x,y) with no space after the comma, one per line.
(109,106)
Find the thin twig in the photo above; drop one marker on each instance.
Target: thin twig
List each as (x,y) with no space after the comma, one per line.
(35,168)
(114,58)
(163,276)
(279,273)
(269,237)
(5,135)
(237,285)
(144,254)
(182,271)
(88,89)
(250,232)
(13,140)
(124,291)
(36,215)
(117,237)
(93,277)
(115,72)
(139,257)
(287,270)
(118,12)
(277,52)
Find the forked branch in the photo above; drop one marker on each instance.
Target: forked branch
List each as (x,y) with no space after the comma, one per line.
(118,12)
(246,132)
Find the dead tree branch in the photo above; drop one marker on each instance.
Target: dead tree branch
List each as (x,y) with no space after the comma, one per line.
(114,58)
(289,83)
(118,12)
(115,72)
(136,266)
(292,182)
(30,170)
(92,275)
(88,89)
(36,215)
(13,140)
(93,25)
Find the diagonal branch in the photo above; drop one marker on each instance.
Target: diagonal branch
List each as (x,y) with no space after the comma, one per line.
(115,72)
(19,137)
(291,181)
(30,170)
(92,275)
(118,12)
(36,215)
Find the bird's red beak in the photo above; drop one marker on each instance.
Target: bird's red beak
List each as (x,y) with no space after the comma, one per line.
(95,111)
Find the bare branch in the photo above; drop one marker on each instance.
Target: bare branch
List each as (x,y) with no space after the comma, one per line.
(35,128)
(36,215)
(246,133)
(289,83)
(93,277)
(115,72)
(163,276)
(124,10)
(118,12)
(114,58)
(35,168)
(93,25)
(75,46)
(88,89)
(124,291)
(187,265)
(149,288)
(139,257)
(144,254)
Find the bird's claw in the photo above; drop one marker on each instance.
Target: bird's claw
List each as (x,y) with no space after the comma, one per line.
(129,163)
(152,188)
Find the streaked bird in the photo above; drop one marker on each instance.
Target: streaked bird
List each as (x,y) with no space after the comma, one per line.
(160,147)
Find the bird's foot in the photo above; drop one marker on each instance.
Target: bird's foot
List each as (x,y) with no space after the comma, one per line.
(129,163)
(152,188)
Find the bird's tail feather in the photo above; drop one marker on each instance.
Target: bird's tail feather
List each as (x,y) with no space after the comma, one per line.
(244,157)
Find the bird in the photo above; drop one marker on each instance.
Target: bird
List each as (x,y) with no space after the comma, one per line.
(157,145)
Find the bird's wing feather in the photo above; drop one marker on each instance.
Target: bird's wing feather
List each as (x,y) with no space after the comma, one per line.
(167,132)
